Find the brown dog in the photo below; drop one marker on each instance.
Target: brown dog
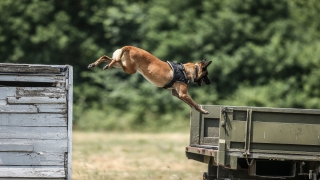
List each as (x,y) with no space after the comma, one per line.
(162,74)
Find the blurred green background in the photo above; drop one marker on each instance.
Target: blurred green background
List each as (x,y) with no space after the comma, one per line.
(264,53)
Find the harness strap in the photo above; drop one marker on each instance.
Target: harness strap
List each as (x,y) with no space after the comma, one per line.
(178,74)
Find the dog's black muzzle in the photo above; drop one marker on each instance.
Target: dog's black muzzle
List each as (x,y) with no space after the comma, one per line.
(205,79)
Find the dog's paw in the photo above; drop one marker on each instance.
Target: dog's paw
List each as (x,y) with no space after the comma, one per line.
(90,66)
(106,67)
(205,112)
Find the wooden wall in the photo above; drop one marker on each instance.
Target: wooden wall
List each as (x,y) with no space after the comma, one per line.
(35,121)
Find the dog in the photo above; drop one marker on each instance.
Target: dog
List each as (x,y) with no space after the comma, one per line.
(172,76)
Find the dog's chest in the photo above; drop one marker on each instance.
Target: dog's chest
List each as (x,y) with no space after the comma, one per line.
(156,80)
(151,80)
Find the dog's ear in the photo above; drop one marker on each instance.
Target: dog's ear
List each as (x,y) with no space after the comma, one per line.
(207,64)
(203,62)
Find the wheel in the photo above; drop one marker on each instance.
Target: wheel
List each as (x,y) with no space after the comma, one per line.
(205,176)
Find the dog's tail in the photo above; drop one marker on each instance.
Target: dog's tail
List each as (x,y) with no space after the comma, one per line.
(118,53)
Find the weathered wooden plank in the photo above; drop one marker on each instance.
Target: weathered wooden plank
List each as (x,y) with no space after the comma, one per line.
(18,109)
(32,172)
(7,91)
(3,102)
(51,108)
(16,132)
(40,145)
(55,92)
(14,65)
(31,178)
(30,69)
(37,119)
(33,78)
(16,147)
(31,159)
(31,65)
(32,100)
(69,87)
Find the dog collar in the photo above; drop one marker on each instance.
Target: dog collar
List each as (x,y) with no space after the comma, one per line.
(197,71)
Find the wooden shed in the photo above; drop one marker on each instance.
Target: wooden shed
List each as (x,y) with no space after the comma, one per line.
(35,121)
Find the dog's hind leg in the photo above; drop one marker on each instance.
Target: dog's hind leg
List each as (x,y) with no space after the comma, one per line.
(116,58)
(103,58)
(122,57)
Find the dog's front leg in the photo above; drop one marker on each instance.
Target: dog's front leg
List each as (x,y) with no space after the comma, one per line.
(175,93)
(181,91)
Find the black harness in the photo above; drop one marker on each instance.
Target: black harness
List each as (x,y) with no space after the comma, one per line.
(178,74)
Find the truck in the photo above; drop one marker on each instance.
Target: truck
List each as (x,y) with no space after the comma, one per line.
(239,142)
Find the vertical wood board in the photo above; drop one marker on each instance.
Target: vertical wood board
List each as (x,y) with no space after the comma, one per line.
(70,113)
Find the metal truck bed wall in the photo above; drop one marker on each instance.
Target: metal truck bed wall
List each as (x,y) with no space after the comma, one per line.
(231,135)
(35,121)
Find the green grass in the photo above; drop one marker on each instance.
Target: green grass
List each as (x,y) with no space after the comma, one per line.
(133,156)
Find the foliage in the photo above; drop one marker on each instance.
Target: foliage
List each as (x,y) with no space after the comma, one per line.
(264,53)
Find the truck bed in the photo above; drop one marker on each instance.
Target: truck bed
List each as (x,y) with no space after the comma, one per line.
(238,137)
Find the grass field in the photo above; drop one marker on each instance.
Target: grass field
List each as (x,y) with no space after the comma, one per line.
(133,156)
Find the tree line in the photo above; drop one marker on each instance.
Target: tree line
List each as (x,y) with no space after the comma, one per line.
(264,53)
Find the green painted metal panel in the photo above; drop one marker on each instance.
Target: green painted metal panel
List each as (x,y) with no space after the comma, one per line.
(194,127)
(238,131)
(286,133)
(214,111)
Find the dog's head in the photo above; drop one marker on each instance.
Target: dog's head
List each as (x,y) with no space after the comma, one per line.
(202,75)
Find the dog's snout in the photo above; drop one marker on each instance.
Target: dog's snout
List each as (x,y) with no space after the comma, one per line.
(206,80)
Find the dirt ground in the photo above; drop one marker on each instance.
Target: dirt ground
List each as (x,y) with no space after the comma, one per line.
(133,156)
